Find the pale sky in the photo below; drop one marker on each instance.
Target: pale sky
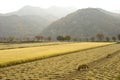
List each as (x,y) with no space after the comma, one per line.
(13,5)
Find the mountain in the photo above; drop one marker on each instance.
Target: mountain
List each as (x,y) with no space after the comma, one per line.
(29,11)
(27,21)
(51,12)
(85,23)
(21,26)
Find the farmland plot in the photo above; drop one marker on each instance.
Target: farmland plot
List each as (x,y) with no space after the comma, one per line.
(64,67)
(14,56)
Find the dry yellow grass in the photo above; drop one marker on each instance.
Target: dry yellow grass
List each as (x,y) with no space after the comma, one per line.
(13,56)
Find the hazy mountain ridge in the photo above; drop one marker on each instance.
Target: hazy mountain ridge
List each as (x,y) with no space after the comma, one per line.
(53,12)
(28,21)
(85,23)
(18,26)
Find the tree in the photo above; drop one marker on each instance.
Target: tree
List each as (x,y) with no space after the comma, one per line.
(75,39)
(41,38)
(68,38)
(80,39)
(37,37)
(49,38)
(114,38)
(100,37)
(5,39)
(92,39)
(1,39)
(60,38)
(27,39)
(118,36)
(87,39)
(107,39)
(11,39)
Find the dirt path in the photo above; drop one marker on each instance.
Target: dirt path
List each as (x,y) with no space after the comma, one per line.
(64,67)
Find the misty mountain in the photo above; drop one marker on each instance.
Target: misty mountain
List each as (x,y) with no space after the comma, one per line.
(51,12)
(21,26)
(30,11)
(85,23)
(28,21)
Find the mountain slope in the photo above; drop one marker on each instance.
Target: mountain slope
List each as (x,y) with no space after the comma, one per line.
(85,23)
(22,26)
(18,26)
(29,11)
(28,21)
(53,12)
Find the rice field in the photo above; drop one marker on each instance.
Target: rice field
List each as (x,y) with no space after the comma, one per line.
(20,55)
(64,67)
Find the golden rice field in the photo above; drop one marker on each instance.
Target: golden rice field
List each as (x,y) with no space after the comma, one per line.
(19,55)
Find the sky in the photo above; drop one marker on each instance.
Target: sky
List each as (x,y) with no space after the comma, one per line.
(13,5)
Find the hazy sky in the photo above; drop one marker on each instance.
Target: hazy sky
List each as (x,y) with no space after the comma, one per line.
(12,5)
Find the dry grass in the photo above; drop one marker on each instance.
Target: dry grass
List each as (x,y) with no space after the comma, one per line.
(15,56)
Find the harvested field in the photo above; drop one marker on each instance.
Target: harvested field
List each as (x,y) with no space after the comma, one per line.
(20,55)
(64,67)
(4,46)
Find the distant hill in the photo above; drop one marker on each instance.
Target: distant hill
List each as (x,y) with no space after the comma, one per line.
(20,26)
(28,21)
(53,12)
(85,23)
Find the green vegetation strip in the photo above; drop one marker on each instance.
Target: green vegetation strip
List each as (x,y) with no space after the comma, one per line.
(17,56)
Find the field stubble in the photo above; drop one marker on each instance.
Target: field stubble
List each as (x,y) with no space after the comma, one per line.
(62,67)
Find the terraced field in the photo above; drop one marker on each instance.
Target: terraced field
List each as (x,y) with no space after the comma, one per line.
(64,67)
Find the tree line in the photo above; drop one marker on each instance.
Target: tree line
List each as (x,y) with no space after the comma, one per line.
(98,37)
(25,39)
